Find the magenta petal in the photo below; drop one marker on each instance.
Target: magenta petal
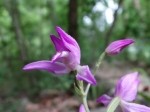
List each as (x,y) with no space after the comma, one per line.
(105,99)
(82,109)
(132,107)
(70,43)
(83,73)
(127,87)
(57,68)
(59,46)
(67,38)
(117,46)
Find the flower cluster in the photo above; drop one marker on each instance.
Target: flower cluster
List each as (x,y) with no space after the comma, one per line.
(67,59)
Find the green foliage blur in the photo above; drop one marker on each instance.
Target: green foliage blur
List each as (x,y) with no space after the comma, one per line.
(37,20)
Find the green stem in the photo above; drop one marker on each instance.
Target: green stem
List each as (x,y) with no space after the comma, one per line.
(87,89)
(85,103)
(97,65)
(84,98)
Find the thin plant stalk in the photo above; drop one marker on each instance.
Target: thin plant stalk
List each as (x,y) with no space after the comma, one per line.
(84,97)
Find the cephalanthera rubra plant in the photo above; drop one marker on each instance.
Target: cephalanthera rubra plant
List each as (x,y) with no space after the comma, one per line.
(67,59)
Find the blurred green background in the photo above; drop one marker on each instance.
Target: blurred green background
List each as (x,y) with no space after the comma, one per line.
(25,26)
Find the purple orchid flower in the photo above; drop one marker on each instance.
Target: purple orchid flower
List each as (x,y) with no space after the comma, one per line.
(66,59)
(116,47)
(82,109)
(126,91)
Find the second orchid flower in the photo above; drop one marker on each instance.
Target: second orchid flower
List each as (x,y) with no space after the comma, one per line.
(125,92)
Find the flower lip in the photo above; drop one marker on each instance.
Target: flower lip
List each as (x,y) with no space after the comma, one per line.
(117,46)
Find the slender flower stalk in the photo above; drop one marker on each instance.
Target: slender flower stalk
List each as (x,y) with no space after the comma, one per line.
(114,48)
(84,96)
(85,104)
(79,88)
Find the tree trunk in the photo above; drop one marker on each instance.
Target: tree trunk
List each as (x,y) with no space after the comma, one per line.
(73,18)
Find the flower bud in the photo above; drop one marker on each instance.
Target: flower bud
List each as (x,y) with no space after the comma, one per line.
(116,47)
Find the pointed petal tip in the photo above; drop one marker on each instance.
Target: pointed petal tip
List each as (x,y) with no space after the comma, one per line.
(36,65)
(132,40)
(94,82)
(58,43)
(129,39)
(58,28)
(24,68)
(126,40)
(133,76)
(85,74)
(27,67)
(53,37)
